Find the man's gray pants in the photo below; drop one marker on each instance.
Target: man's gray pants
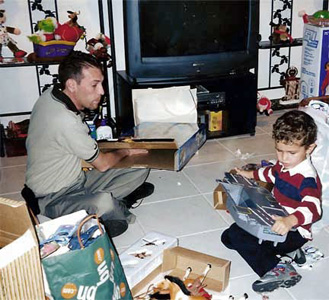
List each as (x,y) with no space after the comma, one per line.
(97,193)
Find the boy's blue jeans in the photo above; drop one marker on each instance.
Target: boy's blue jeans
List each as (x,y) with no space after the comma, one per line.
(260,257)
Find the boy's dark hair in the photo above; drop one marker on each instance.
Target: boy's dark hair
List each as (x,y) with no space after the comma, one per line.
(295,126)
(72,65)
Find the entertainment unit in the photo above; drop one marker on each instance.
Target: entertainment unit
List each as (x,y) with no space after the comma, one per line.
(238,101)
(208,43)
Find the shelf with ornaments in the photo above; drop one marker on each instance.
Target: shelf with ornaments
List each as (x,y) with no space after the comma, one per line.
(270,44)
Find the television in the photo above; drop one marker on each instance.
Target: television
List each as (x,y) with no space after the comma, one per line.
(189,38)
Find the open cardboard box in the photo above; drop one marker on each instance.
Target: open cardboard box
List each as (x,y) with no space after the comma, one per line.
(170,145)
(177,259)
(20,266)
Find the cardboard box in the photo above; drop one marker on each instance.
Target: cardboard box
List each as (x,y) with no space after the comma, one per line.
(315,55)
(220,198)
(177,260)
(139,270)
(20,266)
(170,145)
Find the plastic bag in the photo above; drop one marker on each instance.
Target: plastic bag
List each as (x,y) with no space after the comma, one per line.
(320,157)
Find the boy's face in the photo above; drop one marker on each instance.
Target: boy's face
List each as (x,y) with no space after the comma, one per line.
(290,155)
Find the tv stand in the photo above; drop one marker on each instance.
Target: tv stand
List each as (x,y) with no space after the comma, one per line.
(238,93)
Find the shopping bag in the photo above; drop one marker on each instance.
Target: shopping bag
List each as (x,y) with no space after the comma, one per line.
(176,104)
(88,273)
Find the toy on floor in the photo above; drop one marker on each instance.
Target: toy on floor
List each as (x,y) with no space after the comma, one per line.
(6,40)
(312,255)
(174,288)
(264,105)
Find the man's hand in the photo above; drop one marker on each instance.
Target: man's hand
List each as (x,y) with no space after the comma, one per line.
(247,174)
(282,225)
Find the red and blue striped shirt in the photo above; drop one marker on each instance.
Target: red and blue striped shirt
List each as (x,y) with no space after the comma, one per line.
(298,190)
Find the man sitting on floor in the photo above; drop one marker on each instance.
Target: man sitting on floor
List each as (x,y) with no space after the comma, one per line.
(58,139)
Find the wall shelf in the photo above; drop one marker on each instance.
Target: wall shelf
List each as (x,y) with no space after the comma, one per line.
(271,45)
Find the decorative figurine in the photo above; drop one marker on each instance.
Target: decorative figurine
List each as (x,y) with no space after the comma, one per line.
(98,47)
(291,85)
(280,34)
(6,40)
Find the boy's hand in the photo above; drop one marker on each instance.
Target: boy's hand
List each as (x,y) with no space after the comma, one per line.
(282,225)
(247,174)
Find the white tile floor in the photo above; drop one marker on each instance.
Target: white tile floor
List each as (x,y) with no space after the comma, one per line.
(182,206)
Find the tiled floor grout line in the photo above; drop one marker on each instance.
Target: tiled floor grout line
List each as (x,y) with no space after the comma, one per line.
(14,166)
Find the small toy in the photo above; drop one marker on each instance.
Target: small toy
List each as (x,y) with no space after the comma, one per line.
(6,40)
(98,46)
(252,207)
(319,18)
(292,87)
(45,30)
(70,31)
(264,105)
(186,288)
(280,34)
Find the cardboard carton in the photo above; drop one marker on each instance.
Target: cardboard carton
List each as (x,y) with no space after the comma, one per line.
(170,145)
(140,269)
(176,260)
(314,78)
(20,267)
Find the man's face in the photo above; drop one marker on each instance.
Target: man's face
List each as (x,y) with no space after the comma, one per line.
(290,155)
(89,91)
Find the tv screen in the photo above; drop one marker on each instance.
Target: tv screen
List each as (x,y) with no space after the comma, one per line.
(170,28)
(184,38)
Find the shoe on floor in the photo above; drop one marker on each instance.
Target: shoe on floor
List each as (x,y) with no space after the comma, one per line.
(283,275)
(146,189)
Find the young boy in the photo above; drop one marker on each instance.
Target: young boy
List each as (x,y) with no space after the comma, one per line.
(297,188)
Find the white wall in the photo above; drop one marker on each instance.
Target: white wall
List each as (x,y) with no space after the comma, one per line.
(19,89)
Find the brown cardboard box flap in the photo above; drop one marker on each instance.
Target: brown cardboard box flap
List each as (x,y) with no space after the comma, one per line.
(178,259)
(15,220)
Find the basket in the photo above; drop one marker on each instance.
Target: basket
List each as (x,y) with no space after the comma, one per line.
(53,49)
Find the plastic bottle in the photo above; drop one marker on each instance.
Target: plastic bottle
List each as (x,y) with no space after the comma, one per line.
(104,132)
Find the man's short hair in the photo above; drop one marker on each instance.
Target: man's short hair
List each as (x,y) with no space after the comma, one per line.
(295,126)
(73,64)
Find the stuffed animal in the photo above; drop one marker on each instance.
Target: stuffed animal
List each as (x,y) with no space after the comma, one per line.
(6,40)
(280,34)
(45,32)
(98,46)
(70,31)
(264,105)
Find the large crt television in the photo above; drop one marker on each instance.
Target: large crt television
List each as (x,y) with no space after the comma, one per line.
(187,38)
